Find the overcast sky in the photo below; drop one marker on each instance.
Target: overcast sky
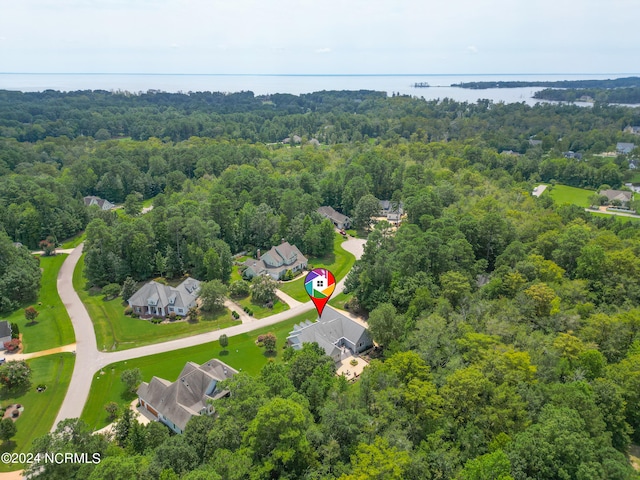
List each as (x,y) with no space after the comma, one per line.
(320,37)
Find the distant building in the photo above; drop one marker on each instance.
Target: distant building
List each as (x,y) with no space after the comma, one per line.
(191,394)
(570,154)
(535,143)
(157,300)
(338,219)
(617,196)
(99,202)
(338,335)
(276,262)
(5,333)
(391,211)
(624,148)
(632,130)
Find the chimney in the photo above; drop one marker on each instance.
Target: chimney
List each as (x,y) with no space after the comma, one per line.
(282,241)
(258,254)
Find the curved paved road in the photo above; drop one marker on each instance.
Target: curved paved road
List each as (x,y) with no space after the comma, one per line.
(89,359)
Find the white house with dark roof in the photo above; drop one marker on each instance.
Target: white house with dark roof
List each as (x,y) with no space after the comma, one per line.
(99,202)
(338,335)
(391,210)
(338,219)
(191,394)
(158,300)
(276,262)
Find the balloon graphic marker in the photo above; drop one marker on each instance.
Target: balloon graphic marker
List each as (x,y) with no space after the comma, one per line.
(320,284)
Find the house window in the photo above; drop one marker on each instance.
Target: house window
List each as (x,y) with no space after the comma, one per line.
(138,309)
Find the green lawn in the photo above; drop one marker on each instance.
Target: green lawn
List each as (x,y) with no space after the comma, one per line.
(339,262)
(242,354)
(339,300)
(53,326)
(73,242)
(115,331)
(562,194)
(40,409)
(259,311)
(619,218)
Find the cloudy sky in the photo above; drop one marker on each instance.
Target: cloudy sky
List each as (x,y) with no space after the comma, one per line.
(320,37)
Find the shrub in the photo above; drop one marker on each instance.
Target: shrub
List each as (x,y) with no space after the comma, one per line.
(12,345)
(239,289)
(156,320)
(353,362)
(269,342)
(15,330)
(128,311)
(111,291)
(235,314)
(172,316)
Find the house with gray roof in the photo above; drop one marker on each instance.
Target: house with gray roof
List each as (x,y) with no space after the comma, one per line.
(624,148)
(191,394)
(5,333)
(276,262)
(391,210)
(99,202)
(620,197)
(157,300)
(338,219)
(338,335)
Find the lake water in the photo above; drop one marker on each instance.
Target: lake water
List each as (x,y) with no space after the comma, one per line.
(440,85)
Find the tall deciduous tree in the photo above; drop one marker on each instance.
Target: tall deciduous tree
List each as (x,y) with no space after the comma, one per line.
(212,295)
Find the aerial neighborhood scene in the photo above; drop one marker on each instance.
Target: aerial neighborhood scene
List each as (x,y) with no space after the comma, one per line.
(270,240)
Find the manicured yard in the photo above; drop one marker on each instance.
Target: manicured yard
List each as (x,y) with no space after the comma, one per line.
(339,300)
(52,327)
(259,311)
(242,354)
(562,194)
(116,331)
(339,262)
(73,242)
(40,409)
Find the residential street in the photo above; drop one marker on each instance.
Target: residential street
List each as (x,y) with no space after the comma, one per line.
(90,360)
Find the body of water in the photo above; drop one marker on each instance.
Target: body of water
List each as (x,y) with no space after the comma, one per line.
(440,85)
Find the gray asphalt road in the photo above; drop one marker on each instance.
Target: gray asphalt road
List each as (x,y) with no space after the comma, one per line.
(90,360)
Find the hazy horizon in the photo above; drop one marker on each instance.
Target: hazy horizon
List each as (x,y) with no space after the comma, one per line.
(306,37)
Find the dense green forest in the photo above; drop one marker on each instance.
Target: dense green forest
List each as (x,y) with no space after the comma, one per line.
(629,95)
(509,326)
(624,82)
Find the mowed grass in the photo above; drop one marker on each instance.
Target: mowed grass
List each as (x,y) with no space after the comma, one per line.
(242,354)
(74,241)
(562,194)
(115,331)
(339,262)
(259,311)
(52,327)
(40,409)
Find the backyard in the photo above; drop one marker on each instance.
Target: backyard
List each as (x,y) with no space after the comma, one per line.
(242,354)
(562,194)
(339,262)
(40,408)
(52,328)
(115,331)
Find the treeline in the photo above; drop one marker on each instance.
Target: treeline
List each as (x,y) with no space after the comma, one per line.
(628,95)
(329,117)
(624,82)
(19,275)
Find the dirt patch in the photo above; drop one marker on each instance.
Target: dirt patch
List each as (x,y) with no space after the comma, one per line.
(11,410)
(634,456)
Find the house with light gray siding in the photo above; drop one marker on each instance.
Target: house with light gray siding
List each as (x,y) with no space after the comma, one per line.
(191,394)
(276,262)
(338,219)
(338,335)
(157,300)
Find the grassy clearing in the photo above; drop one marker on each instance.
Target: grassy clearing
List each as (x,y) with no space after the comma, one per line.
(339,300)
(242,354)
(339,262)
(73,242)
(40,409)
(53,326)
(259,311)
(562,194)
(115,331)
(619,218)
